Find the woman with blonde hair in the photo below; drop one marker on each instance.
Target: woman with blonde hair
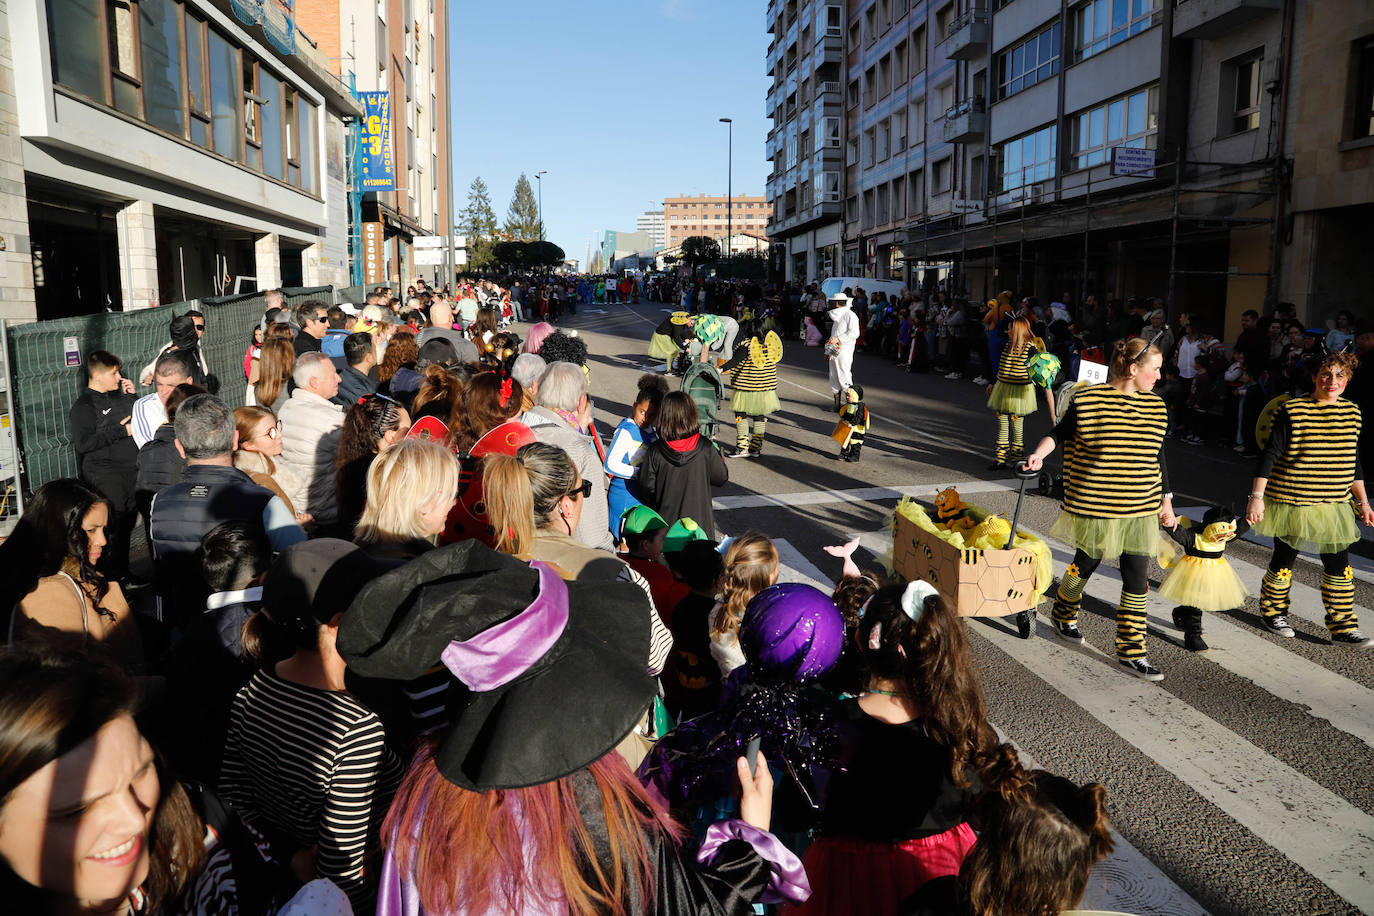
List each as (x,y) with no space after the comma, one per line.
(534,501)
(1012,396)
(751,565)
(259,442)
(1116,493)
(411,486)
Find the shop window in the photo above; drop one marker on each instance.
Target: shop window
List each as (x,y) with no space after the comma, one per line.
(159,33)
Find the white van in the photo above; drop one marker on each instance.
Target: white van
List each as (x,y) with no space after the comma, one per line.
(891,288)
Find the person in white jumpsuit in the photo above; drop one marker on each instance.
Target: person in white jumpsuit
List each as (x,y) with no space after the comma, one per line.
(844,334)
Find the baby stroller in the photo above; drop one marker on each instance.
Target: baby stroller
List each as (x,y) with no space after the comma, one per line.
(705,386)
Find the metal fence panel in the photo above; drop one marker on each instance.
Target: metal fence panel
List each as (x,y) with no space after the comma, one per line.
(44,387)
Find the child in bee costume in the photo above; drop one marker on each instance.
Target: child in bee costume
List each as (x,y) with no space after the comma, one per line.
(853,425)
(670,338)
(753,372)
(1201,579)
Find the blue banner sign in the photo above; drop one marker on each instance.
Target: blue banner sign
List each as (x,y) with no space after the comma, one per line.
(379,166)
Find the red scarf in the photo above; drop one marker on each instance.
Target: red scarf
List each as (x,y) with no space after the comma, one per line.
(683,445)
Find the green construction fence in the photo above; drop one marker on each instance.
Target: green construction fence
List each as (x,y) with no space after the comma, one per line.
(44,386)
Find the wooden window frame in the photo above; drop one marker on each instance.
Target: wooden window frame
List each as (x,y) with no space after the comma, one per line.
(111,74)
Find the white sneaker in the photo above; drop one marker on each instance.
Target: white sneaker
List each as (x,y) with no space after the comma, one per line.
(953,375)
(1278,625)
(980,381)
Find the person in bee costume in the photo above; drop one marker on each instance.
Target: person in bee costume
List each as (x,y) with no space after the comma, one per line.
(853,425)
(753,372)
(1201,579)
(671,337)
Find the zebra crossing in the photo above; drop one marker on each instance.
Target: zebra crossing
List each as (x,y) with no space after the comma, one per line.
(1232,766)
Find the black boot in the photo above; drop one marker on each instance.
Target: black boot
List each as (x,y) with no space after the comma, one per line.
(1025,624)
(1189,620)
(853,453)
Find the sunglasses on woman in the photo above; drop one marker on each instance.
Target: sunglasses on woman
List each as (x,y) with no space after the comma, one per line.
(585,488)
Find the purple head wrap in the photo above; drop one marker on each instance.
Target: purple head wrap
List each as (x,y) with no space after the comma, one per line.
(791,632)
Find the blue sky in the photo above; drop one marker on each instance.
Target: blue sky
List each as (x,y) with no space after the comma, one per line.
(617,100)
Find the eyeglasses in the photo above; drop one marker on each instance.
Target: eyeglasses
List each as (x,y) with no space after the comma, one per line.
(273,432)
(199,327)
(585,488)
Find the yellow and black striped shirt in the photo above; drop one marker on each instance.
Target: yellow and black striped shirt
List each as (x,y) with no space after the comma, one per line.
(1113,458)
(746,376)
(1312,454)
(1011,368)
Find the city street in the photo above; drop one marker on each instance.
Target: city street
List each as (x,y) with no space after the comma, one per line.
(1243,784)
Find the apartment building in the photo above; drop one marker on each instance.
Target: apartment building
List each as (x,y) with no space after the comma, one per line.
(651,221)
(1109,147)
(395,46)
(156,151)
(710,216)
(806,60)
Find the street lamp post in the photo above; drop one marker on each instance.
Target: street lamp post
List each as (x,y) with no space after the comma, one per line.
(729,190)
(539,177)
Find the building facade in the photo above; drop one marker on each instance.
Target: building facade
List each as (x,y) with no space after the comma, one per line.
(651,221)
(807,61)
(1115,148)
(166,151)
(399,47)
(710,216)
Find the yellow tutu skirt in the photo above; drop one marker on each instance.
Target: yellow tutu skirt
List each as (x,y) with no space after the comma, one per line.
(1323,528)
(755,403)
(1108,538)
(1017,399)
(1208,584)
(661,346)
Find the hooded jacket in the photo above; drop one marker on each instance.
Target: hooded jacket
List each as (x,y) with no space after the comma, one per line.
(676,481)
(102,442)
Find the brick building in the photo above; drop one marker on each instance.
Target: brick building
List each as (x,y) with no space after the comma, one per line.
(702,215)
(396,46)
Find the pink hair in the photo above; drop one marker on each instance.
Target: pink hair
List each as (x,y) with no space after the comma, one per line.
(535,339)
(479,852)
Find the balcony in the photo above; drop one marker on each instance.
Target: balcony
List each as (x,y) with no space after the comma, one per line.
(967,37)
(1216,18)
(829,50)
(967,121)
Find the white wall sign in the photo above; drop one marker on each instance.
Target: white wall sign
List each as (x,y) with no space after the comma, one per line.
(1137,163)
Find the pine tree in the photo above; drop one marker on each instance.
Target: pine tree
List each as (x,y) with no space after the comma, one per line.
(478,222)
(522,219)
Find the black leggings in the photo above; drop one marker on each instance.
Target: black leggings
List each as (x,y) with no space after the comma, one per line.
(1135,570)
(1333,564)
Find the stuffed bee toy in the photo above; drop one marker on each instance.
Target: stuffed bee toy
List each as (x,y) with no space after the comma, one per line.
(952,512)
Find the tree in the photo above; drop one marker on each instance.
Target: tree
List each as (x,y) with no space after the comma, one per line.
(477,221)
(522,219)
(510,255)
(543,254)
(700,249)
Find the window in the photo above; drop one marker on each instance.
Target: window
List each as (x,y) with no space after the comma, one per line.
(74,30)
(898,197)
(252,113)
(884,140)
(918,50)
(854,94)
(1027,159)
(1242,77)
(870,209)
(270,118)
(941,172)
(852,152)
(1032,61)
(885,76)
(225,97)
(828,134)
(884,209)
(834,22)
(899,131)
(851,208)
(915,188)
(918,122)
(308,150)
(870,86)
(828,188)
(1131,120)
(119,21)
(871,25)
(899,65)
(197,82)
(885,6)
(943,17)
(870,146)
(854,36)
(1099,24)
(159,30)
(1362,66)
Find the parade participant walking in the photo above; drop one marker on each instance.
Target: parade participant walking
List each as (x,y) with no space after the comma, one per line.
(1013,395)
(1300,498)
(753,372)
(839,349)
(1115,485)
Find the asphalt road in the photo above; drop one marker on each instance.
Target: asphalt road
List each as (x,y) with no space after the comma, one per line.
(1243,784)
